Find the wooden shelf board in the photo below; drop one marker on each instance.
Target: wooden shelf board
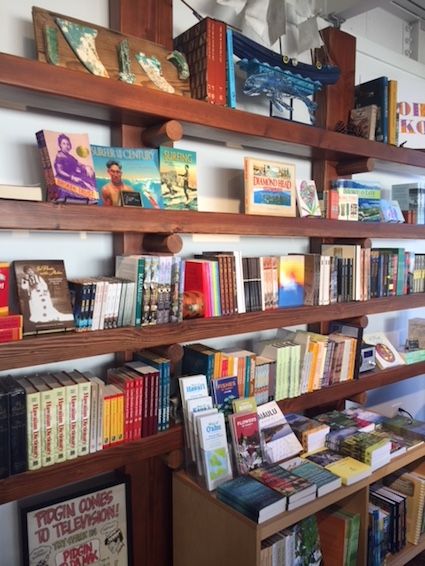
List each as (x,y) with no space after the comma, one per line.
(31,84)
(406,554)
(18,215)
(30,483)
(57,347)
(345,390)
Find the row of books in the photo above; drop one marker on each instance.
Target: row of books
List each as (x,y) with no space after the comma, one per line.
(375,113)
(76,171)
(49,418)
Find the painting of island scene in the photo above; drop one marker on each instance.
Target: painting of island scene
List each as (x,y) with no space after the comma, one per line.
(138,170)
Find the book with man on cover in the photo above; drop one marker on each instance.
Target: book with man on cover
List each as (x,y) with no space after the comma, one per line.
(269,187)
(44,297)
(121,169)
(68,167)
(178,178)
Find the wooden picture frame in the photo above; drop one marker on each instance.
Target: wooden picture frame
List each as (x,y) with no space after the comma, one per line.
(90,525)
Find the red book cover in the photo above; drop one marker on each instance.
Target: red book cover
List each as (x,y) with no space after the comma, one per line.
(4,288)
(197,278)
(246,441)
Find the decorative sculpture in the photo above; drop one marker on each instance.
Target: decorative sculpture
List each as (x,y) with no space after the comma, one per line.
(178,59)
(51,43)
(81,39)
(152,67)
(123,50)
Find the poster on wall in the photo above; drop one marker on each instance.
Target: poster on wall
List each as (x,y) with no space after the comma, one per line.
(411,122)
(91,527)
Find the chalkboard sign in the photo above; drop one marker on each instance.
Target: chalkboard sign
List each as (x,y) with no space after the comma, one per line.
(131,198)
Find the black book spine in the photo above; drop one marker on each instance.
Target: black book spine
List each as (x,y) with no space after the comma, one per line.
(17,430)
(4,435)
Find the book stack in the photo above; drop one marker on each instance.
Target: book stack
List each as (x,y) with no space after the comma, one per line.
(367,447)
(311,433)
(204,45)
(324,480)
(347,468)
(392,503)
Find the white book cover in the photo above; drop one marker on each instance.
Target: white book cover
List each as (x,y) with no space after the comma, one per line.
(195,406)
(277,438)
(191,387)
(196,418)
(386,354)
(214,450)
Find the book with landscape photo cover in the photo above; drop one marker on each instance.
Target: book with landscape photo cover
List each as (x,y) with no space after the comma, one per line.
(278,441)
(44,296)
(122,169)
(269,187)
(68,167)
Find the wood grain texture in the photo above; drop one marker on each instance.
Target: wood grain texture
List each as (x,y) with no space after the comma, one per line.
(56,347)
(130,223)
(44,86)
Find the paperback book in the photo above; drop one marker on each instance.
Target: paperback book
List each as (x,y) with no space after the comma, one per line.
(347,468)
(246,441)
(269,187)
(324,480)
(307,198)
(123,169)
(68,167)
(277,438)
(214,450)
(178,178)
(385,353)
(44,297)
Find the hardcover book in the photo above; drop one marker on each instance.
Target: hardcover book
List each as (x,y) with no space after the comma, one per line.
(363,121)
(68,167)
(252,498)
(122,169)
(375,92)
(44,297)
(178,178)
(269,187)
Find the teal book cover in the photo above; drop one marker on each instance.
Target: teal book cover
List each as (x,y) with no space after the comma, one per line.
(124,169)
(178,178)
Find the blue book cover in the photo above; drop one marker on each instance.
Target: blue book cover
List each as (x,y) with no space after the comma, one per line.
(230,70)
(121,169)
(225,390)
(375,92)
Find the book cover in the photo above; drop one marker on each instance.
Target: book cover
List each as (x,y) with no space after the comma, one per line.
(307,198)
(194,407)
(225,392)
(68,167)
(178,178)
(347,468)
(246,441)
(44,298)
(375,92)
(269,187)
(386,354)
(4,288)
(277,438)
(291,281)
(252,498)
(324,480)
(191,387)
(123,169)
(307,542)
(363,121)
(294,487)
(311,433)
(214,450)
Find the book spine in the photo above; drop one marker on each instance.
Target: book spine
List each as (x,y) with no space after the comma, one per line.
(231,84)
(84,436)
(52,190)
(72,420)
(59,392)
(94,412)
(4,436)
(33,419)
(48,428)
(106,421)
(4,292)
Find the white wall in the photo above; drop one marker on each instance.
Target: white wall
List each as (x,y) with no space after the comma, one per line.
(220,188)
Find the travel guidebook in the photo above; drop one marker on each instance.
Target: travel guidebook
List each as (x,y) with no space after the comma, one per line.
(68,167)
(120,170)
(178,178)
(269,187)
(44,297)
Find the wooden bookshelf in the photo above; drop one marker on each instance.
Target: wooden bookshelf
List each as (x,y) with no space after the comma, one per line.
(55,347)
(209,520)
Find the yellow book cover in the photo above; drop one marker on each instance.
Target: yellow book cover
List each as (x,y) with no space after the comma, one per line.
(392,112)
(48,421)
(269,187)
(349,470)
(106,421)
(72,413)
(120,416)
(245,405)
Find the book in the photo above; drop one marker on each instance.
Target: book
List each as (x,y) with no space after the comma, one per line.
(324,480)
(44,298)
(191,387)
(307,198)
(278,441)
(291,281)
(33,423)
(4,288)
(246,441)
(392,112)
(214,450)
(127,169)
(21,192)
(68,167)
(311,433)
(204,45)
(252,498)
(363,121)
(296,489)
(269,187)
(386,354)
(347,468)
(225,392)
(368,197)
(178,174)
(339,536)
(375,91)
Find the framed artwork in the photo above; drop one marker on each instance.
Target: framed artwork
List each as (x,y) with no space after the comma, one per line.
(88,527)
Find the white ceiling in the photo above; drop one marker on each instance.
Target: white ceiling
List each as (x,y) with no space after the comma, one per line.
(408,10)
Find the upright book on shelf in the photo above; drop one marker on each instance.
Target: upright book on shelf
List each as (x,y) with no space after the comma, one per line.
(68,167)
(44,297)
(375,92)
(269,187)
(178,178)
(122,169)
